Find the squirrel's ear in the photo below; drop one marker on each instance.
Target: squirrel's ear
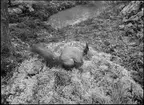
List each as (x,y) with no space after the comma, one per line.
(86,49)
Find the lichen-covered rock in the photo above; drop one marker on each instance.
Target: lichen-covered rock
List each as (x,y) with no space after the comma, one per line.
(133,6)
(99,80)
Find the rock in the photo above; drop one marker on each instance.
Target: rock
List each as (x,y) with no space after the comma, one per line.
(14,11)
(129,25)
(121,26)
(137,16)
(132,6)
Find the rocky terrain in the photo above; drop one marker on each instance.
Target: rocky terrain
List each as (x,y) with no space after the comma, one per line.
(112,72)
(100,80)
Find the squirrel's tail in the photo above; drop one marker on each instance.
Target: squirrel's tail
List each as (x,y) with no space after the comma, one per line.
(50,57)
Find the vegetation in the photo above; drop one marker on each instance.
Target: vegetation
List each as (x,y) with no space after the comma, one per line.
(112,71)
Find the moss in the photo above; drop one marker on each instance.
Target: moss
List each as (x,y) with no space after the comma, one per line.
(56,85)
(102,78)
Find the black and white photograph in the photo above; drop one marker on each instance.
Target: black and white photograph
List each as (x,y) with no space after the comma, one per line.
(72,52)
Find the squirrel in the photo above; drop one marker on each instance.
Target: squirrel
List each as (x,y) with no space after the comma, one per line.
(70,56)
(73,56)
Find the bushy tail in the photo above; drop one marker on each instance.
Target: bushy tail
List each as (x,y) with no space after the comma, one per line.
(85,51)
(51,58)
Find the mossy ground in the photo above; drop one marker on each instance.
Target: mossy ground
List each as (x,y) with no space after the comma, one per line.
(102,80)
